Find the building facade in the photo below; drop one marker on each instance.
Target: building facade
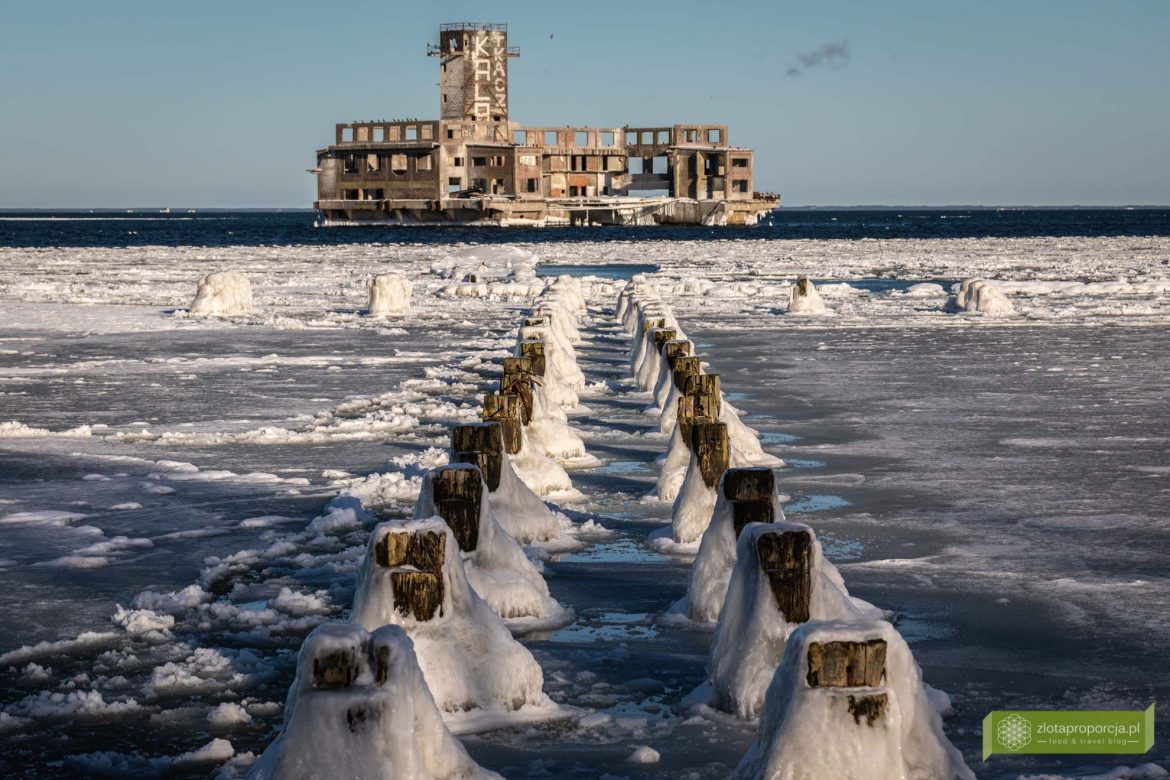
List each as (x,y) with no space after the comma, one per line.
(474,165)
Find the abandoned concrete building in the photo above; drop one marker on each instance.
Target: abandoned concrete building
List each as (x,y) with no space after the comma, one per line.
(474,165)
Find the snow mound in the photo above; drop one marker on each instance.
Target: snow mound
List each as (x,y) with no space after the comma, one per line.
(978,295)
(804,298)
(496,566)
(389,295)
(752,630)
(359,707)
(850,733)
(222,294)
(467,656)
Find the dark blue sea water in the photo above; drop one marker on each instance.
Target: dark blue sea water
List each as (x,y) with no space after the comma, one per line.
(255,228)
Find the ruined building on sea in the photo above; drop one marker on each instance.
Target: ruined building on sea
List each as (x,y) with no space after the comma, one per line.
(474,165)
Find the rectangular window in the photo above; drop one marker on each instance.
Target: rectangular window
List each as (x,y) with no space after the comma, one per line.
(379,135)
(607,139)
(613,163)
(351,194)
(714,136)
(479,162)
(692,135)
(498,160)
(363,133)
(647,137)
(632,138)
(663,137)
(395,133)
(346,135)
(520,137)
(350,163)
(530,185)
(411,132)
(372,163)
(428,132)
(581,138)
(635,164)
(454,184)
(457,162)
(450,132)
(659,165)
(550,137)
(423,163)
(398,164)
(739,185)
(528,159)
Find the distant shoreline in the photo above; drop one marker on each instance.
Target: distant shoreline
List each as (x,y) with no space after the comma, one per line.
(184,210)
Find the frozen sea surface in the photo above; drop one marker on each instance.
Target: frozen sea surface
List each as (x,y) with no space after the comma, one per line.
(998,483)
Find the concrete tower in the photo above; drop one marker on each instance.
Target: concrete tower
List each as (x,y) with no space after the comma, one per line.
(473,71)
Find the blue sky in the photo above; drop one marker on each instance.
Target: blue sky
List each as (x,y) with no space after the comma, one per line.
(223,103)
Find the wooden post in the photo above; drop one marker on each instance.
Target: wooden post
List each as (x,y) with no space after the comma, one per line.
(481,444)
(694,409)
(417,591)
(506,410)
(847,664)
(535,351)
(750,492)
(457,494)
(663,335)
(517,380)
(682,367)
(424,550)
(786,557)
(676,348)
(335,669)
(711,447)
(703,383)
(652,323)
(536,322)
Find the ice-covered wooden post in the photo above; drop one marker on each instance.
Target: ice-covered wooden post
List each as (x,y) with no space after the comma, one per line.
(682,368)
(710,444)
(750,492)
(663,335)
(481,444)
(652,323)
(457,493)
(846,664)
(786,558)
(676,348)
(336,668)
(517,380)
(535,351)
(705,384)
(695,409)
(536,322)
(418,590)
(506,410)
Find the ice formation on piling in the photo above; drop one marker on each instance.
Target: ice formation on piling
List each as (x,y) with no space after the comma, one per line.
(979,295)
(752,629)
(804,298)
(359,708)
(881,727)
(223,293)
(496,566)
(516,507)
(413,577)
(711,571)
(389,295)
